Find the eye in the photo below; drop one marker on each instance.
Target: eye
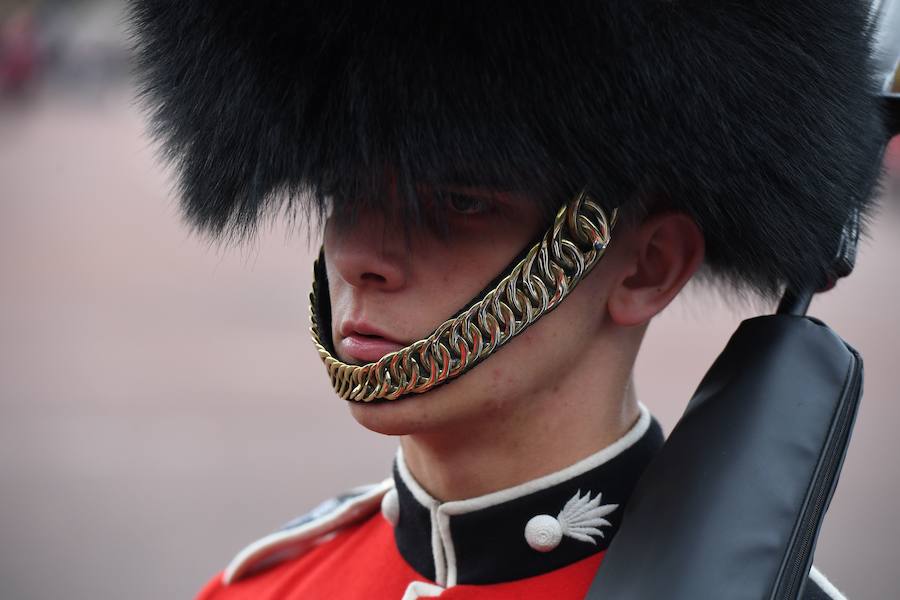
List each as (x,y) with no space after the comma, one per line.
(468,205)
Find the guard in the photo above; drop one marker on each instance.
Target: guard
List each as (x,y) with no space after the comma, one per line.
(508,194)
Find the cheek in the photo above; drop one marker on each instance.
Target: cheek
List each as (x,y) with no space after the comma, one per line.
(444,280)
(526,365)
(554,344)
(338,289)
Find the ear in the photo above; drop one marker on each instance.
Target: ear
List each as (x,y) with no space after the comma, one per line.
(667,249)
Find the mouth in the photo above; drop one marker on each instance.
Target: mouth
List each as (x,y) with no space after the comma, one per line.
(364,343)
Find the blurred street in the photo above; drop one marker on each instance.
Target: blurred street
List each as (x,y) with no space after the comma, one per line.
(161,404)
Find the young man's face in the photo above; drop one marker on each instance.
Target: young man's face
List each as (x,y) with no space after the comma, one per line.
(391,286)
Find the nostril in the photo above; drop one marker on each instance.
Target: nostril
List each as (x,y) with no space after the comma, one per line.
(373,277)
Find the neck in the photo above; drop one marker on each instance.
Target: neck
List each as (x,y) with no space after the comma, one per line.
(578,415)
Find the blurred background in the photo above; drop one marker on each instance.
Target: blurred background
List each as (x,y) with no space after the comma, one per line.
(161,404)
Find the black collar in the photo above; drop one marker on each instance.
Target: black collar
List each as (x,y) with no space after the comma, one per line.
(484,540)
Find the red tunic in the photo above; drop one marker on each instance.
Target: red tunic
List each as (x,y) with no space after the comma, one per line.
(362,561)
(542,539)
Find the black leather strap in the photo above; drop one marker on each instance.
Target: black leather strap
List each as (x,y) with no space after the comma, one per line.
(731,506)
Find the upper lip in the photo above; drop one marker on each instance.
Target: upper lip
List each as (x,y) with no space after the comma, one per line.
(349,328)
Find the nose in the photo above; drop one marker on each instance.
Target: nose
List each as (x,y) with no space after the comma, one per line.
(368,253)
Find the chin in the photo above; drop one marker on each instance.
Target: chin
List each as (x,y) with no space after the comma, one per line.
(408,415)
(448,405)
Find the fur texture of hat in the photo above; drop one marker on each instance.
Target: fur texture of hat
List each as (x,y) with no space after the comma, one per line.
(757,118)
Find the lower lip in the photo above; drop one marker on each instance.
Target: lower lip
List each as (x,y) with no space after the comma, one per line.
(367,349)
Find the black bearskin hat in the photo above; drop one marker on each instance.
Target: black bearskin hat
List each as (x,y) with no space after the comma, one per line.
(758,118)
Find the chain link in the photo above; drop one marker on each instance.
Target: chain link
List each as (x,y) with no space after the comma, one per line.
(536,285)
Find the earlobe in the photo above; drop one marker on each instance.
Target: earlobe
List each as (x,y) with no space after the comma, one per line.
(668,250)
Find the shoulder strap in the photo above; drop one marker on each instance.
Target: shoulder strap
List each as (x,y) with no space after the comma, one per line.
(301,534)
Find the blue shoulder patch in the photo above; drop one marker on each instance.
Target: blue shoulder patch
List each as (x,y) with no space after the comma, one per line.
(297,536)
(323,509)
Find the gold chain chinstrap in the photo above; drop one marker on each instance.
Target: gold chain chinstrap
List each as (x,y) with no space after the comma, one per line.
(537,284)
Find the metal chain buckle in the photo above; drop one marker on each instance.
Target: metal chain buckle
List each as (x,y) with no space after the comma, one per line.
(552,268)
